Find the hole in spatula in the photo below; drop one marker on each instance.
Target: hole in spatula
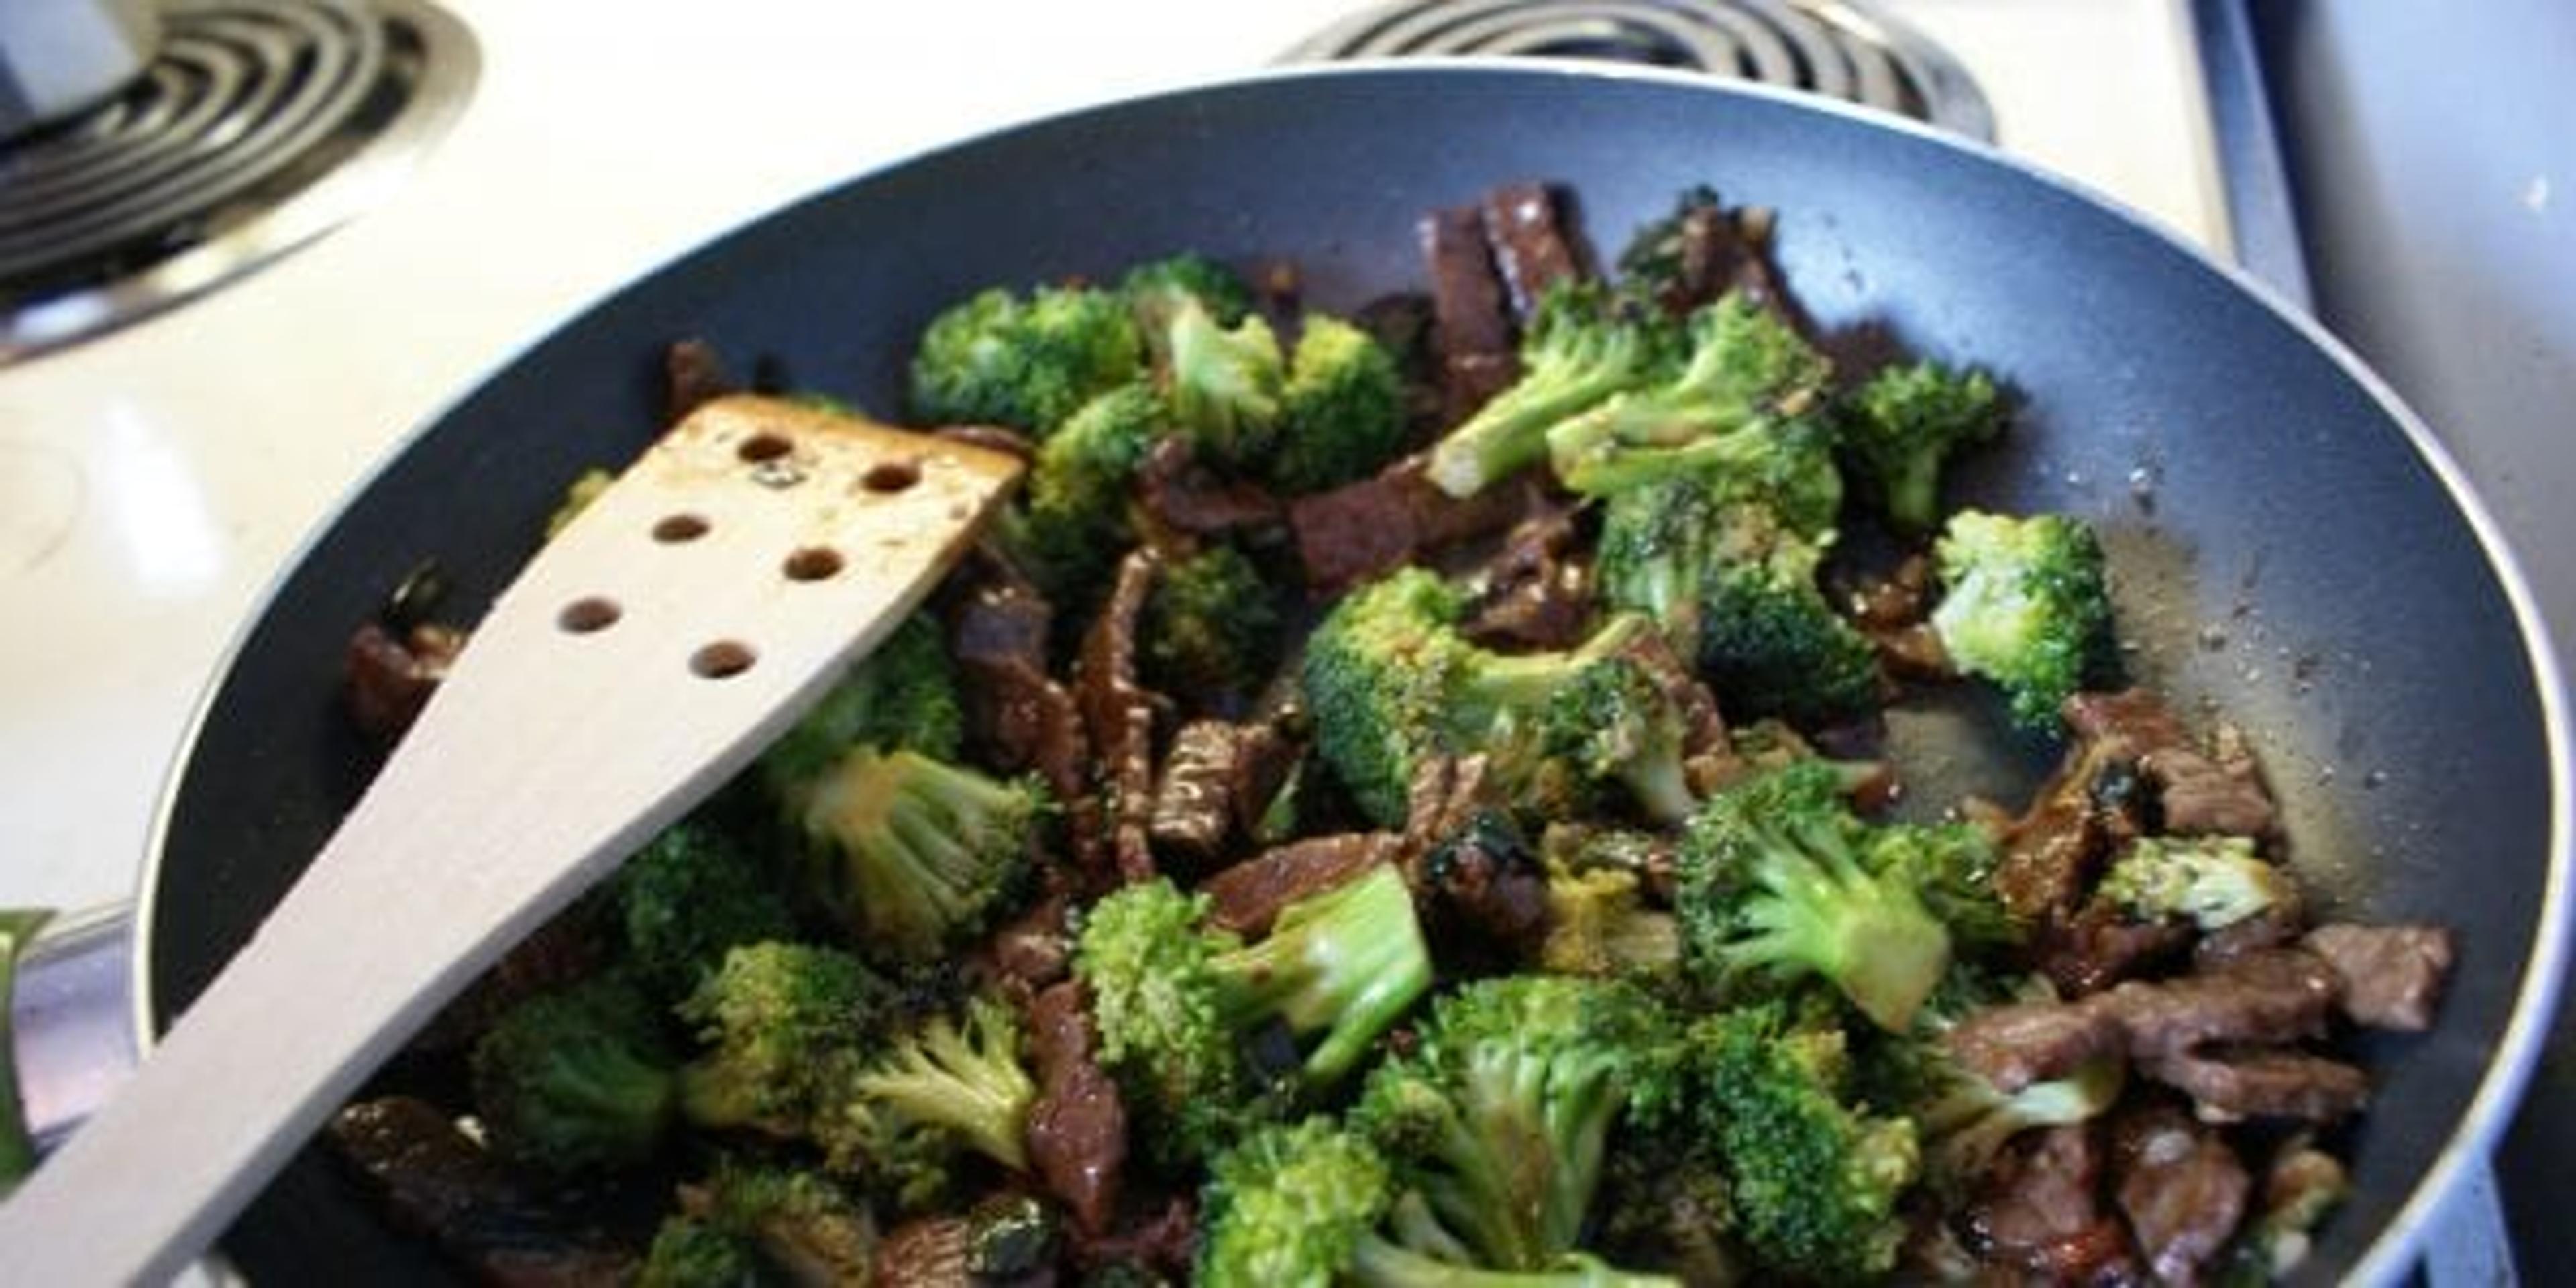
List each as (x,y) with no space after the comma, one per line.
(588,614)
(764,447)
(813,563)
(891,476)
(679,528)
(722,659)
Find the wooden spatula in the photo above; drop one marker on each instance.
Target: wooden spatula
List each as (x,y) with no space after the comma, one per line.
(680,623)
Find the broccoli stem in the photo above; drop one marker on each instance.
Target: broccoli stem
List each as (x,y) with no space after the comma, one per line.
(1348,961)
(1379,1263)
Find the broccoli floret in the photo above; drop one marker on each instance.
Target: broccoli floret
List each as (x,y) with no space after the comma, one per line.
(1384,1263)
(1736,590)
(1580,348)
(692,1252)
(1156,289)
(1736,410)
(903,693)
(1290,1205)
(1225,381)
(1598,923)
(1951,866)
(688,897)
(1177,1002)
(1907,423)
(1023,361)
(1775,882)
(913,853)
(1073,518)
(1391,682)
(783,1023)
(1965,1128)
(2026,603)
(1500,1115)
(2211,881)
(578,1079)
(965,1079)
(1814,1177)
(1212,625)
(1342,411)
(796,1226)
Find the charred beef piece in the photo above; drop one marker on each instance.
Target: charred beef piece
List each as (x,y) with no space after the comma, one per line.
(1708,250)
(2040,1213)
(1018,718)
(2232,1082)
(2218,791)
(2099,947)
(1536,593)
(1525,226)
(1247,897)
(1007,1239)
(2015,1045)
(1216,779)
(1118,714)
(1471,327)
(2390,977)
(2053,851)
(1361,529)
(1078,1125)
(1179,495)
(434,1181)
(390,676)
(2180,1186)
(693,375)
(1157,1246)
(1034,949)
(1476,879)
(2277,995)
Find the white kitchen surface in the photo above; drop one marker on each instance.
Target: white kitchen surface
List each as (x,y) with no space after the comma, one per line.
(154,481)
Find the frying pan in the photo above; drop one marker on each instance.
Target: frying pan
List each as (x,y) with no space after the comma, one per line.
(2291,546)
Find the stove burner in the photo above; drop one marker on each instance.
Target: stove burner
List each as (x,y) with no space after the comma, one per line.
(1841,49)
(262,124)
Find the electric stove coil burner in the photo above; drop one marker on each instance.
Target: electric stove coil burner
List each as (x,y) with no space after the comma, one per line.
(1840,49)
(242,140)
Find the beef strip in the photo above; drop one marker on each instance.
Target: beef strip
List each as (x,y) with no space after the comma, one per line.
(1034,949)
(2017,1044)
(2227,1083)
(2276,995)
(1077,1133)
(1535,592)
(1247,897)
(1018,717)
(1479,883)
(1358,530)
(2180,1186)
(2273,927)
(1005,1240)
(1156,1246)
(1471,330)
(1118,714)
(1178,495)
(2040,1211)
(1525,225)
(693,375)
(433,1180)
(2390,976)
(1216,779)
(390,677)
(2217,791)
(2099,947)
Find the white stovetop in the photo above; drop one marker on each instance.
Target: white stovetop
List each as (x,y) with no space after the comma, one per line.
(153,482)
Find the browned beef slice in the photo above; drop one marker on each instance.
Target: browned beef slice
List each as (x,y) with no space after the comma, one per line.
(1216,778)
(1118,714)
(2040,1212)
(1247,897)
(2099,947)
(390,677)
(2015,1045)
(1525,225)
(1361,529)
(1077,1126)
(693,374)
(1467,304)
(951,1250)
(2180,1186)
(2391,976)
(432,1180)
(2051,851)
(2218,791)
(2229,1082)
(2275,995)
(1536,593)
(1178,495)
(1017,716)
(1034,949)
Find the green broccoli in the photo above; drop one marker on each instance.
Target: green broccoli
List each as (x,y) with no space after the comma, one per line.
(1951,866)
(903,693)
(912,853)
(1342,410)
(577,1079)
(1290,1205)
(1500,1114)
(1814,1178)
(783,1025)
(1023,361)
(1738,406)
(1775,881)
(1391,682)
(966,1079)
(2026,603)
(2211,881)
(692,1252)
(1736,590)
(1662,265)
(1157,289)
(689,896)
(1212,625)
(1580,348)
(1072,520)
(1598,923)
(1226,385)
(1177,1002)
(1907,423)
(775,1223)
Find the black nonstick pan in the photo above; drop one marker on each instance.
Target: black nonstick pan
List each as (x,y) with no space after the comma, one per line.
(2291,546)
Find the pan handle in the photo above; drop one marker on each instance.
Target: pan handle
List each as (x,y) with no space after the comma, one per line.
(68,1022)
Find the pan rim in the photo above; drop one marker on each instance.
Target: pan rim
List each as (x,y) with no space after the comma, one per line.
(2393,1250)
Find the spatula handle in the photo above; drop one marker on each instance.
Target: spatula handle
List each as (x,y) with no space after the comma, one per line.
(648,653)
